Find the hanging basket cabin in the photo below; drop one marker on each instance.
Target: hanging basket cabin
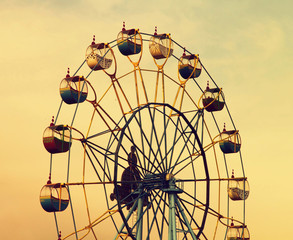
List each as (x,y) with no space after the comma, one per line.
(238,189)
(161,46)
(54,197)
(230,141)
(99,56)
(73,89)
(56,139)
(213,99)
(189,66)
(129,42)
(238,233)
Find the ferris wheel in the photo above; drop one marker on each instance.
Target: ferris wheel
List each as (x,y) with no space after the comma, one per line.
(144,147)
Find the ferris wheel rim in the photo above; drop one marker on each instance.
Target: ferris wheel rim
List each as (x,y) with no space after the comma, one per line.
(116,183)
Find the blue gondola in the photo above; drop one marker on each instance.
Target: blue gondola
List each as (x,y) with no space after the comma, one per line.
(230,141)
(54,197)
(73,89)
(189,66)
(129,42)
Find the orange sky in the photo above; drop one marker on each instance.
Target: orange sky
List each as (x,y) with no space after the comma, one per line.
(245,45)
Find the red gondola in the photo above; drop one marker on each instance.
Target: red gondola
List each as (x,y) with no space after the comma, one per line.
(56,139)
(213,99)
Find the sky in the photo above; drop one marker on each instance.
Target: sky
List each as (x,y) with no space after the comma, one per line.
(245,45)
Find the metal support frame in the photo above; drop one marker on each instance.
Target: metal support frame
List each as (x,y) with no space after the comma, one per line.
(139,218)
(172,217)
(173,204)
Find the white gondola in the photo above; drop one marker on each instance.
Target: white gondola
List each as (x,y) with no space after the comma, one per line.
(238,189)
(99,56)
(161,46)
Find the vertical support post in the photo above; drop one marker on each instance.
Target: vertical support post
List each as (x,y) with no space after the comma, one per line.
(139,219)
(172,217)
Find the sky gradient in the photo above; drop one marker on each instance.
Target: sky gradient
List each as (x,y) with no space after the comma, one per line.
(246,45)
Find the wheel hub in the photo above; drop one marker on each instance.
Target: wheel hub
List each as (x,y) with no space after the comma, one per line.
(163,181)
